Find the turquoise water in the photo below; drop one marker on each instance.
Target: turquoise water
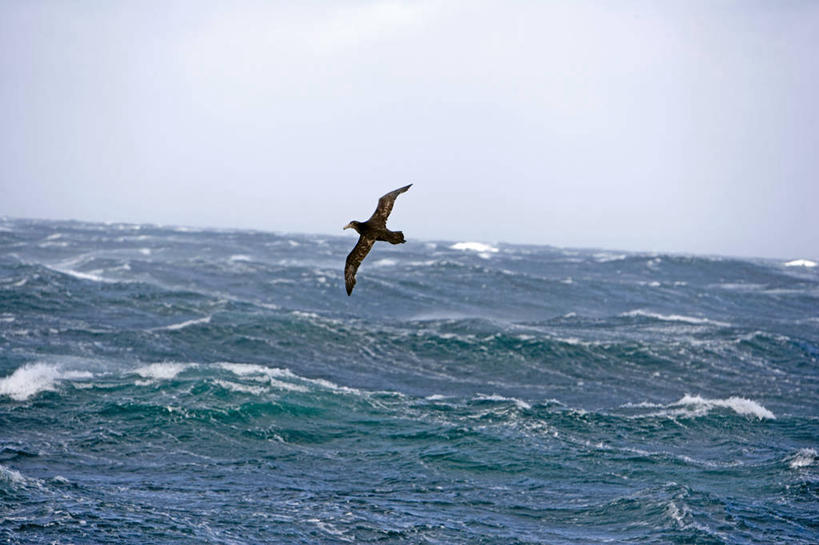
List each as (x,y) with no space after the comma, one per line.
(168,385)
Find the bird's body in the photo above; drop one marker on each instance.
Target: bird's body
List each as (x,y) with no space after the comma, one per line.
(370,231)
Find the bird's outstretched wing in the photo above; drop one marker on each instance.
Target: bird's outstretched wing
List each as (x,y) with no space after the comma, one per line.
(382,211)
(354,259)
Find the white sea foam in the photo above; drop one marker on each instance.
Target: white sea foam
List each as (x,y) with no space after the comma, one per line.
(801,263)
(519,403)
(240,257)
(302,314)
(243,388)
(11,475)
(182,325)
(426,263)
(33,378)
(474,247)
(385,263)
(332,385)
(803,458)
(162,371)
(93,276)
(271,375)
(740,286)
(739,405)
(642,405)
(145,251)
(672,318)
(605,257)
(244,369)
(678,514)
(281,385)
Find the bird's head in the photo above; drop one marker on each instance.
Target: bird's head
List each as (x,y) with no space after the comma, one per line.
(352,225)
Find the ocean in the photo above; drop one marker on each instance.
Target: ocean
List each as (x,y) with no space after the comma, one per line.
(175,385)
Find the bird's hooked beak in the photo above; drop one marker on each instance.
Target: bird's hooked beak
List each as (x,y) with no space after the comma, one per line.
(348,226)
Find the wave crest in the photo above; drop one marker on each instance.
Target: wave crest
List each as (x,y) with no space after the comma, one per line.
(33,378)
(162,371)
(474,247)
(803,458)
(739,405)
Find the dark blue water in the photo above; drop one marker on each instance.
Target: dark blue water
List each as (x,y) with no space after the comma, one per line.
(163,385)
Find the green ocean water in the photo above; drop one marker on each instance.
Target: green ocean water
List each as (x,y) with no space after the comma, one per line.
(171,385)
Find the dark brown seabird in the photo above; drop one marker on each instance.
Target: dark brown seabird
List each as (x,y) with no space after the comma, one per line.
(371,230)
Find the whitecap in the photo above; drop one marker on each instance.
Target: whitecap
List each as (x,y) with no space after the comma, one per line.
(485,249)
(240,257)
(519,403)
(605,257)
(182,325)
(20,283)
(672,318)
(574,341)
(678,514)
(739,405)
(272,374)
(32,378)
(740,286)
(11,475)
(641,405)
(243,369)
(387,262)
(84,275)
(242,388)
(281,385)
(303,314)
(164,370)
(426,263)
(331,385)
(801,263)
(247,369)
(803,458)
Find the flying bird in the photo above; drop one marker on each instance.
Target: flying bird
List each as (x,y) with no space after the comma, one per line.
(371,230)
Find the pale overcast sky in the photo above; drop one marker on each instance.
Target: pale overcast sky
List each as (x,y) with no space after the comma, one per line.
(663,126)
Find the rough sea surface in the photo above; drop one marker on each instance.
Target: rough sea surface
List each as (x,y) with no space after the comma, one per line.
(170,385)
